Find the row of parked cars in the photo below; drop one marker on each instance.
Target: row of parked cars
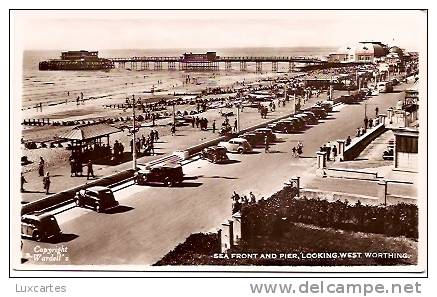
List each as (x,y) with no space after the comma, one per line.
(43,226)
(247,141)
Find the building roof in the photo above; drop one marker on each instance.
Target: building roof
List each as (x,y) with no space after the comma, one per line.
(89,131)
(397,50)
(363,48)
(375,49)
(411,132)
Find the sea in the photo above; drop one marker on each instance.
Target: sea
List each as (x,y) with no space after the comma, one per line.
(48,87)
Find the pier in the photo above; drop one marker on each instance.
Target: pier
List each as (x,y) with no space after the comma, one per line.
(210,61)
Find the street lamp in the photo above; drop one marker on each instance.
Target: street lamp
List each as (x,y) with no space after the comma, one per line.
(134,149)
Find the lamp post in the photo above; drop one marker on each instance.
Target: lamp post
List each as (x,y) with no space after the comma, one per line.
(238,114)
(134,148)
(174,117)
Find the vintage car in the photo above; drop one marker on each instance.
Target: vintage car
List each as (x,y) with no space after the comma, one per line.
(237,145)
(39,227)
(252,138)
(214,154)
(301,124)
(263,132)
(327,105)
(168,174)
(282,126)
(312,119)
(98,198)
(385,87)
(304,117)
(318,111)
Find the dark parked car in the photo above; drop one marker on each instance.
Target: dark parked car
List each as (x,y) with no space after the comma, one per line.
(318,111)
(263,132)
(312,119)
(214,154)
(327,106)
(252,138)
(98,198)
(39,227)
(282,126)
(167,174)
(304,117)
(300,122)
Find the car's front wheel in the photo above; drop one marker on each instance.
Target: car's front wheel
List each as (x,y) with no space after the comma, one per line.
(240,151)
(98,208)
(36,236)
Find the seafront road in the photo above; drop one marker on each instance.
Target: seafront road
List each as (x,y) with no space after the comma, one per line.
(154,219)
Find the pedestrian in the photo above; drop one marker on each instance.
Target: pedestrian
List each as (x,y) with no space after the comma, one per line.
(245,200)
(334,151)
(197,122)
(266,142)
(293,151)
(23,181)
(348,140)
(156,135)
(213,126)
(152,136)
(46,183)
(193,121)
(152,148)
(41,166)
(376,111)
(299,151)
(235,125)
(72,167)
(78,166)
(328,153)
(366,122)
(173,130)
(357,134)
(252,197)
(90,170)
(235,197)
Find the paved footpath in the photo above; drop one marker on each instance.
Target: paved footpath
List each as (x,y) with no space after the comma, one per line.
(186,136)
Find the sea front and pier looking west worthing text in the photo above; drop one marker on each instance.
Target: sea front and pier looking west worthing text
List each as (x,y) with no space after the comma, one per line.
(302,155)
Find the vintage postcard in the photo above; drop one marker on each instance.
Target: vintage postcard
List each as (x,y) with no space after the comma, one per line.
(229,140)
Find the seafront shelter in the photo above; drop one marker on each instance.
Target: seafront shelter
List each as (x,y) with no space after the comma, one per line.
(87,138)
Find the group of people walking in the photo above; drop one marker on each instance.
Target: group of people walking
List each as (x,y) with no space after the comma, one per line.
(297,150)
(199,122)
(238,201)
(46,181)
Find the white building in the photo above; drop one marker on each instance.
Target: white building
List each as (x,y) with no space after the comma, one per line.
(360,52)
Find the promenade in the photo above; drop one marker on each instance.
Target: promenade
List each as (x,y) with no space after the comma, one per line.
(185,137)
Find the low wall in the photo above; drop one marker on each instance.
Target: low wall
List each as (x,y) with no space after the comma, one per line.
(65,197)
(351,173)
(354,150)
(334,196)
(354,198)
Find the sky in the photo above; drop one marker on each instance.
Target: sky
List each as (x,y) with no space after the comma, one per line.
(53,30)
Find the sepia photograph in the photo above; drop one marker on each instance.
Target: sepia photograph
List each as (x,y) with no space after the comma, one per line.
(219,140)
